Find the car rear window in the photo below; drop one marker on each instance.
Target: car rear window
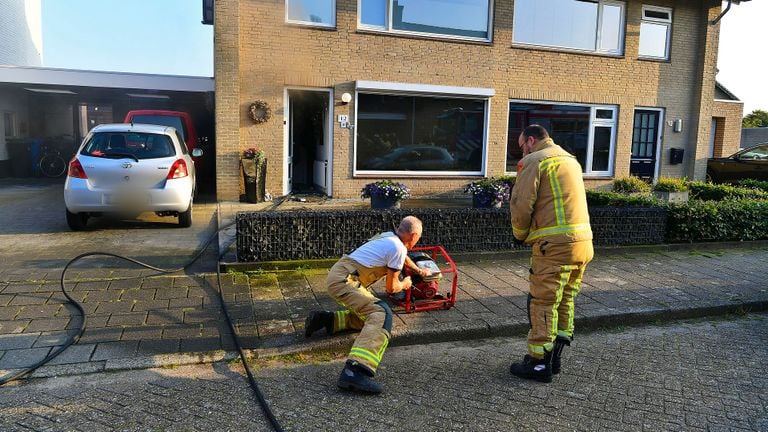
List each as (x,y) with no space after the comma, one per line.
(162,120)
(140,145)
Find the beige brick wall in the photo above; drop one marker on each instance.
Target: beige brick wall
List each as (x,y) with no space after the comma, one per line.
(271,56)
(728,137)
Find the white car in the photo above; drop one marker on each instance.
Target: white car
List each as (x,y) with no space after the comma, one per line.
(128,169)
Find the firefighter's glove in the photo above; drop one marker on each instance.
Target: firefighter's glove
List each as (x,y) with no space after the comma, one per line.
(517,242)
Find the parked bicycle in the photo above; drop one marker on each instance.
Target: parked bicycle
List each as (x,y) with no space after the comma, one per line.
(51,163)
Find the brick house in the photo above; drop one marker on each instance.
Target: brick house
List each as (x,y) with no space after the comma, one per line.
(434,93)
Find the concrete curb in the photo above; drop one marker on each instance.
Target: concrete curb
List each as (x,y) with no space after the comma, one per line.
(449,332)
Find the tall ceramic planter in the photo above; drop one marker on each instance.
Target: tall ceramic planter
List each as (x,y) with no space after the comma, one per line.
(384,202)
(254,178)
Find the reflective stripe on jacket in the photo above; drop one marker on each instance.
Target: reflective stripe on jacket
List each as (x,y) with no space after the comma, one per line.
(548,200)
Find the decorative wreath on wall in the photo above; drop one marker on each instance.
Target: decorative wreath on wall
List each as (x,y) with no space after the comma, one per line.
(259,112)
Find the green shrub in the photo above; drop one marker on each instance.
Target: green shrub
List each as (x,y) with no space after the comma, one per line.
(753,184)
(717,221)
(723,192)
(613,199)
(670,184)
(627,185)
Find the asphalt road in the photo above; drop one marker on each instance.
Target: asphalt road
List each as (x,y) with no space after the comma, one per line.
(706,375)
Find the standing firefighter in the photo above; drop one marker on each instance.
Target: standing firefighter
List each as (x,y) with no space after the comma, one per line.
(549,212)
(348,282)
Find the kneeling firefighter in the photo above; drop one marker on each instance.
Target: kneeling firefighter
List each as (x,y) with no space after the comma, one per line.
(549,212)
(348,280)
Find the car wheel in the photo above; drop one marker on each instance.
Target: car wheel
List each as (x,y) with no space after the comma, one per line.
(185,217)
(77,221)
(710,178)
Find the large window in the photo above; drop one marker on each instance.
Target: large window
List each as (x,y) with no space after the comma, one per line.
(311,12)
(594,26)
(655,29)
(420,134)
(464,19)
(587,132)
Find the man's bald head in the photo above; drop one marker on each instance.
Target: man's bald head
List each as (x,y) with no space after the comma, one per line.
(409,225)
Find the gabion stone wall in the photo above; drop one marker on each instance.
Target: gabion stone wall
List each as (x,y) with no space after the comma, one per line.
(295,235)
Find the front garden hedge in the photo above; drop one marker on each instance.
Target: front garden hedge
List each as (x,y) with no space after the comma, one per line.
(717,221)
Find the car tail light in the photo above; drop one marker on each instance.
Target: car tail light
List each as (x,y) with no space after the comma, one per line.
(178,170)
(76,169)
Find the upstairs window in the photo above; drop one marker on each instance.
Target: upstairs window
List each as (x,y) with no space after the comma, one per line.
(459,19)
(655,31)
(592,26)
(320,13)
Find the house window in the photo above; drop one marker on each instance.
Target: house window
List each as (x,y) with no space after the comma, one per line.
(655,29)
(461,19)
(320,13)
(587,132)
(9,123)
(593,26)
(420,134)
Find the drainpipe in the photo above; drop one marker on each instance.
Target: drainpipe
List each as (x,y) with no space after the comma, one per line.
(725,11)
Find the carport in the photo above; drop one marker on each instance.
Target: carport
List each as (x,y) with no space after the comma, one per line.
(43,108)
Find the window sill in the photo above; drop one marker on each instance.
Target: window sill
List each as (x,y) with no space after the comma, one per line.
(438,38)
(654,59)
(565,50)
(310,26)
(420,176)
(597,177)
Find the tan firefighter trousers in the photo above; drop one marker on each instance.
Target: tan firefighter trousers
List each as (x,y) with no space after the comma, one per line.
(556,273)
(347,282)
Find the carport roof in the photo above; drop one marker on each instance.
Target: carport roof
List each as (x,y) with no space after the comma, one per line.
(84,78)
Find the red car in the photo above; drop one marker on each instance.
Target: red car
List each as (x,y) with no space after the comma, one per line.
(179,120)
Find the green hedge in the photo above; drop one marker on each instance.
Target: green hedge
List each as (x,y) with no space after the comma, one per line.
(753,184)
(717,221)
(630,185)
(720,192)
(613,199)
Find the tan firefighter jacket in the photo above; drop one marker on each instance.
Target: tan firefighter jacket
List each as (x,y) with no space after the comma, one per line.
(548,201)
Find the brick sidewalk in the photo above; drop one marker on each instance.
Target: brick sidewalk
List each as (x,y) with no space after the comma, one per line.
(151,321)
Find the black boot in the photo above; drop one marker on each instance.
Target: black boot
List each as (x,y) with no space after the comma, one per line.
(533,368)
(357,377)
(317,320)
(560,343)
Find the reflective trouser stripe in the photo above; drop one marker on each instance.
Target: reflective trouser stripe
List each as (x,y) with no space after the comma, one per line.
(567,305)
(371,358)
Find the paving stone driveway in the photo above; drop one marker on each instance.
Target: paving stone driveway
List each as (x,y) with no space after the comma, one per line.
(127,312)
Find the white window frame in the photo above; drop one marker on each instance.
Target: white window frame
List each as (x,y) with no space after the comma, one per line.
(657,21)
(598,35)
(593,122)
(431,91)
(9,130)
(387,28)
(310,23)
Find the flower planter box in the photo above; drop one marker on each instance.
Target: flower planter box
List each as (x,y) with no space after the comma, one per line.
(384,202)
(672,197)
(478,202)
(254,179)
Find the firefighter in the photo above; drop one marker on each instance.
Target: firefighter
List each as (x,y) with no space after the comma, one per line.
(549,213)
(384,255)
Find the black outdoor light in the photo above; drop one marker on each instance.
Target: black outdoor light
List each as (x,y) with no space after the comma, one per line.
(208,12)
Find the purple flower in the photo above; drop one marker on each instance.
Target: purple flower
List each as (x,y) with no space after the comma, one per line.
(386,188)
